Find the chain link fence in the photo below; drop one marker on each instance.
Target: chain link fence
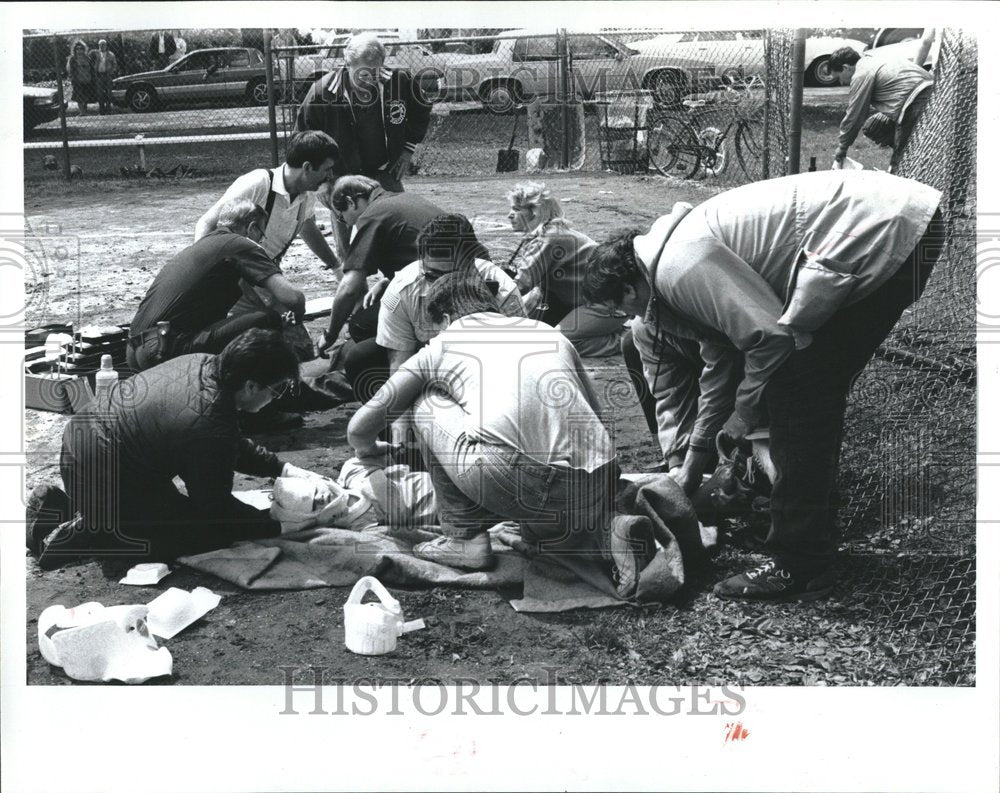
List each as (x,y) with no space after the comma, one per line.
(908,470)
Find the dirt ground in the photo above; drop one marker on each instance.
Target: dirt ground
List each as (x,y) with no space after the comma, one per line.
(125,231)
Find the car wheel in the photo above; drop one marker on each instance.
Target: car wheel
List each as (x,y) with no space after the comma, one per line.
(668,88)
(141,99)
(502,97)
(257,92)
(819,73)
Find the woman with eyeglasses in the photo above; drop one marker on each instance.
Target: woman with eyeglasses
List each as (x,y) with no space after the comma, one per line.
(82,76)
(179,419)
(548,266)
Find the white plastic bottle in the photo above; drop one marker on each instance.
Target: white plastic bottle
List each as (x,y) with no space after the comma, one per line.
(106,376)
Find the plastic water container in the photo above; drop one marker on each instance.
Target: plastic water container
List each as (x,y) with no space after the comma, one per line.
(106,376)
(372,628)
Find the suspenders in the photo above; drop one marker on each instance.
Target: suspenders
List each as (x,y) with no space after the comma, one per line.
(268,206)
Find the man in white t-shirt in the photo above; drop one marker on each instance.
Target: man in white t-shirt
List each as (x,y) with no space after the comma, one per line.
(287,195)
(445,244)
(508,424)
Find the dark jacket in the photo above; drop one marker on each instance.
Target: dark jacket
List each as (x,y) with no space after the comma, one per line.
(171,420)
(169,46)
(327,107)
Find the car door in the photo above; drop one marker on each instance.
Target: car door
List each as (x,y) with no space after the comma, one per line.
(236,73)
(599,66)
(535,66)
(187,77)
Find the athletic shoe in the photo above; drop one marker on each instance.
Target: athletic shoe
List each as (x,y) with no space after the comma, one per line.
(773,581)
(632,547)
(47,507)
(471,554)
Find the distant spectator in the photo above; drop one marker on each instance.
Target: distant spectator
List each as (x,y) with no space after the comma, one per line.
(161,47)
(181,48)
(82,76)
(283,38)
(106,70)
(895,87)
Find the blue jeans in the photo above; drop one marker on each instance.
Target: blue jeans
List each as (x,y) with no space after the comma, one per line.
(480,484)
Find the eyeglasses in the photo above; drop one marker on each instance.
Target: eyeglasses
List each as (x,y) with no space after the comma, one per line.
(285,387)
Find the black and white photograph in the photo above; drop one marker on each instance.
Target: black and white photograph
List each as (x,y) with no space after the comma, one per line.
(546,362)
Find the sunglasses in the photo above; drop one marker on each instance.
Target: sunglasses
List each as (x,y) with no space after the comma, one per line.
(286,387)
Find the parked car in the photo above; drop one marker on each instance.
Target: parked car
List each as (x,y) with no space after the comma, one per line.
(904,43)
(740,53)
(522,65)
(422,64)
(40,105)
(224,73)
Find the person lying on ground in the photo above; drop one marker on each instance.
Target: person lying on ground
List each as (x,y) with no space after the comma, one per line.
(386,226)
(509,427)
(549,265)
(179,419)
(288,196)
(896,87)
(195,291)
(447,243)
(792,284)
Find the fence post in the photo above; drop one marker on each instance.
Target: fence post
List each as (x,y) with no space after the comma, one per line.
(62,106)
(564,94)
(765,160)
(795,115)
(272,121)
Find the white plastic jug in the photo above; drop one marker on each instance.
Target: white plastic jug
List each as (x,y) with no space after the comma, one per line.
(372,628)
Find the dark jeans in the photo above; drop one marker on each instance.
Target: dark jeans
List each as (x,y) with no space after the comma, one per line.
(127,516)
(806,401)
(212,339)
(363,323)
(366,368)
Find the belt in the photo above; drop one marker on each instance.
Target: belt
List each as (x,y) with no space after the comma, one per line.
(136,341)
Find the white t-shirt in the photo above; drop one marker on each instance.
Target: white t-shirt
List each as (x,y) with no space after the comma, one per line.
(520,383)
(287,216)
(403,321)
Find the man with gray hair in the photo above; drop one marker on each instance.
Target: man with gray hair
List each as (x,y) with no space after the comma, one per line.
(376,115)
(186,307)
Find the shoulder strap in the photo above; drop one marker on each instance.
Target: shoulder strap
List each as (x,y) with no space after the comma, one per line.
(269,204)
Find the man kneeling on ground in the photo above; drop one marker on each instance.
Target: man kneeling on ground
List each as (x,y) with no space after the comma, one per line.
(508,424)
(196,289)
(179,419)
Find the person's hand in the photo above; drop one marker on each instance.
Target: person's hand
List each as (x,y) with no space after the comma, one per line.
(736,428)
(838,158)
(685,478)
(400,168)
(378,453)
(294,472)
(373,295)
(322,344)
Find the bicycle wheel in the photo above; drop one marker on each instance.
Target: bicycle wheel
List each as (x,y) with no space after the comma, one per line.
(750,149)
(673,146)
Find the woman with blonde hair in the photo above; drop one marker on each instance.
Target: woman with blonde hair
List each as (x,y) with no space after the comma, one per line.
(83,78)
(549,266)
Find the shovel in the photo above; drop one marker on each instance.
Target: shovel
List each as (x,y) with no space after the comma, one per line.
(508,159)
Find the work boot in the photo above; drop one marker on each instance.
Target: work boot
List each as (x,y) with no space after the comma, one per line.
(631,544)
(474,553)
(774,581)
(47,507)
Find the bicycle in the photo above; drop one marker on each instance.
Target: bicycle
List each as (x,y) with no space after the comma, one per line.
(678,147)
